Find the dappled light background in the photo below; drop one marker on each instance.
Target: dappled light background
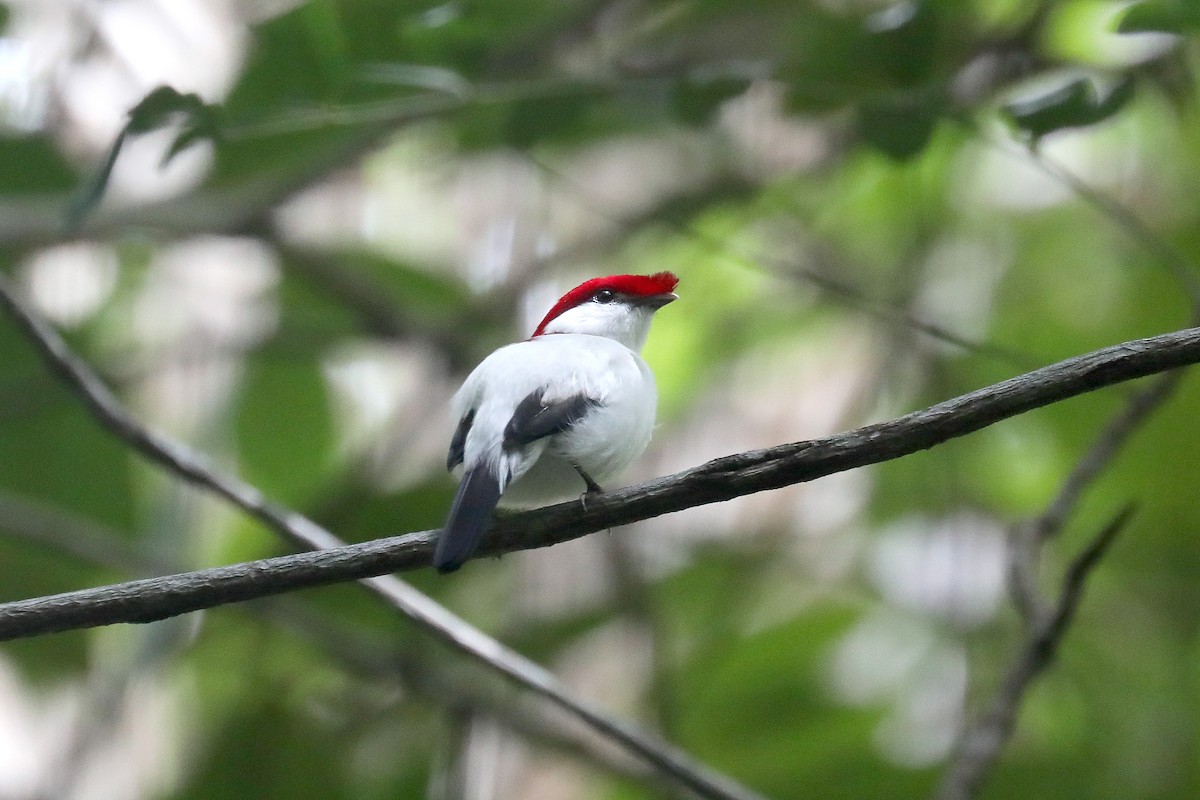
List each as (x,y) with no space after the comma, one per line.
(389,190)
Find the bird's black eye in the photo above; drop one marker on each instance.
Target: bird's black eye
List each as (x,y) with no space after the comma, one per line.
(604,296)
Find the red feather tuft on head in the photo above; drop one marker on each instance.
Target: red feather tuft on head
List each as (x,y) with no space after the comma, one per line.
(633,285)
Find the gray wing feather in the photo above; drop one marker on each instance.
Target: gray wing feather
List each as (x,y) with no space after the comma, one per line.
(534,419)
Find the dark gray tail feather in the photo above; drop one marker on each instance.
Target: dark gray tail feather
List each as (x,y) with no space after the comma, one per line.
(469,517)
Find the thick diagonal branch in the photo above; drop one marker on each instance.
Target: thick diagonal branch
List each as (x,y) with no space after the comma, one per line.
(720,479)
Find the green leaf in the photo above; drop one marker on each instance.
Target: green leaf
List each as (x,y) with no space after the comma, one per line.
(534,119)
(272,749)
(1072,105)
(898,126)
(1161,16)
(414,289)
(825,65)
(284,427)
(54,454)
(52,449)
(162,107)
(158,109)
(310,58)
(903,41)
(696,98)
(31,164)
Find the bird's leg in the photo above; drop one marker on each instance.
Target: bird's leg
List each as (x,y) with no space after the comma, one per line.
(593,488)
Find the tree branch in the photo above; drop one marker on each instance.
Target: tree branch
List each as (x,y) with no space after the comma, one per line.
(1168,256)
(720,479)
(717,480)
(981,744)
(183,591)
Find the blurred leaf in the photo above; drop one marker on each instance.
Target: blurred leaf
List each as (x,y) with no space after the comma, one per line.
(1162,16)
(413,289)
(363,291)
(1072,105)
(418,76)
(288,67)
(161,107)
(294,156)
(53,450)
(903,40)
(59,454)
(359,513)
(696,98)
(534,119)
(269,749)
(825,67)
(485,41)
(46,661)
(779,725)
(322,20)
(193,131)
(271,694)
(560,114)
(898,126)
(31,164)
(284,427)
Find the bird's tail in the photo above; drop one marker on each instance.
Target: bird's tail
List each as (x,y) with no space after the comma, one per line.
(469,516)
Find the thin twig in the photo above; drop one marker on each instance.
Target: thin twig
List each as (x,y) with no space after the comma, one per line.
(367,656)
(377,309)
(68,534)
(980,746)
(303,532)
(1027,540)
(1169,257)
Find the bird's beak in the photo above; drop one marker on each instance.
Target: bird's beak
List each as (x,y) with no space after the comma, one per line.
(657,301)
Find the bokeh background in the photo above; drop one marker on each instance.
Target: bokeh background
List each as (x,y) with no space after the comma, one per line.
(872,206)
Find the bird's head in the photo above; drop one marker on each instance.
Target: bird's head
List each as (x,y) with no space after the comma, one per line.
(617,306)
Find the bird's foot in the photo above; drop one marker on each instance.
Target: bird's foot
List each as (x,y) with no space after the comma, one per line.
(593,489)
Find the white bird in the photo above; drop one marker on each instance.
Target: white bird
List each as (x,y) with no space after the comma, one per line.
(547,418)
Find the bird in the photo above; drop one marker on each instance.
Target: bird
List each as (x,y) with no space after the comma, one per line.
(549,418)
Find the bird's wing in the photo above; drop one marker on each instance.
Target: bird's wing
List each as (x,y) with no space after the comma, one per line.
(535,418)
(458,444)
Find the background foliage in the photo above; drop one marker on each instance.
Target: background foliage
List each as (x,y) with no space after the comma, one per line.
(285,231)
